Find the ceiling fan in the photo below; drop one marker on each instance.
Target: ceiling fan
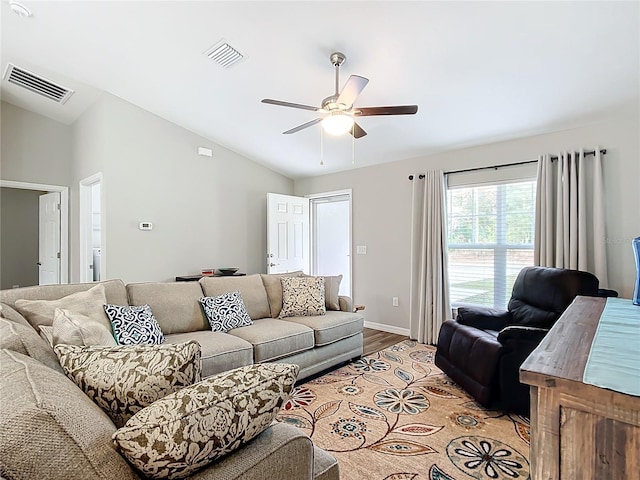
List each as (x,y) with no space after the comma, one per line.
(338,112)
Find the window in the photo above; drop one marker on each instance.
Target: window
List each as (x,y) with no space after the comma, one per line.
(490,234)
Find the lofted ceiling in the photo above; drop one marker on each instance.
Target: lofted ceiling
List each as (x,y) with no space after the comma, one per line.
(479,71)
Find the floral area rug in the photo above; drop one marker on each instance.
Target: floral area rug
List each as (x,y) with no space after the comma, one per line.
(395,416)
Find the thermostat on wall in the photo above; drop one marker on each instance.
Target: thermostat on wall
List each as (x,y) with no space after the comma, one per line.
(145,226)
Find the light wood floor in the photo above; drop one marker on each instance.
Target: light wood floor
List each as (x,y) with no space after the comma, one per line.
(376,340)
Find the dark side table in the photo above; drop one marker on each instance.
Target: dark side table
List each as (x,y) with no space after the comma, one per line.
(195,278)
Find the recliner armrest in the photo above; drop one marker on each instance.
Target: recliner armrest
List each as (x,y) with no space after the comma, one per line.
(522,334)
(484,318)
(605,292)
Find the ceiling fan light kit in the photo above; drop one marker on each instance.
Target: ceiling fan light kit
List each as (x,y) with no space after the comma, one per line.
(337,123)
(338,110)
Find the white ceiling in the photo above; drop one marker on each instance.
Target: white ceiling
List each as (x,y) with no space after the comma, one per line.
(479,71)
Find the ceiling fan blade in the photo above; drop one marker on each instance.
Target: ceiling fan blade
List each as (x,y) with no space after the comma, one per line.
(352,90)
(357,131)
(289,104)
(396,110)
(303,126)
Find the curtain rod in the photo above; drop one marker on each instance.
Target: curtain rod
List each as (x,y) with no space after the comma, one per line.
(495,167)
(553,157)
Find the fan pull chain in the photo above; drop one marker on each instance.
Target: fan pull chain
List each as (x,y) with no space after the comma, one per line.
(353,145)
(321,146)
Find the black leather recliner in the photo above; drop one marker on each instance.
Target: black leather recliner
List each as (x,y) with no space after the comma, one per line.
(483,348)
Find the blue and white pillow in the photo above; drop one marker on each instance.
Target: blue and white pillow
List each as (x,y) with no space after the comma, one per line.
(226,311)
(134,325)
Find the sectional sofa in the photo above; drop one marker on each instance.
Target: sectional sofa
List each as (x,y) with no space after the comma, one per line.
(314,343)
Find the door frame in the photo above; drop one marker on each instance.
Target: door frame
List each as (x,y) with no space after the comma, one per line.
(85,225)
(333,193)
(64,218)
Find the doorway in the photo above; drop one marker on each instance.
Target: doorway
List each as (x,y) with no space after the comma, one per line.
(331,236)
(55,239)
(92,252)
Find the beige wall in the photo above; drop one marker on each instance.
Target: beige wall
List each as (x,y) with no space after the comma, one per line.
(34,148)
(18,237)
(206,212)
(382,208)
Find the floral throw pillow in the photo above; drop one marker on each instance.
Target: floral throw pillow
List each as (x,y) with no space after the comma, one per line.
(302,297)
(122,380)
(226,311)
(187,430)
(134,325)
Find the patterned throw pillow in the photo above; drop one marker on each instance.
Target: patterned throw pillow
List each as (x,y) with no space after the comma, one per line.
(189,429)
(331,291)
(134,325)
(302,297)
(122,380)
(226,311)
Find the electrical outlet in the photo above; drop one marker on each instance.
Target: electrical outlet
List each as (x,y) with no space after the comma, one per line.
(394,301)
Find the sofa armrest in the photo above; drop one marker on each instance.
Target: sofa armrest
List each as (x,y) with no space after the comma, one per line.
(346,305)
(484,318)
(521,334)
(266,456)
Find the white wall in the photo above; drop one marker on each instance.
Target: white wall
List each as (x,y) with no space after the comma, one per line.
(382,208)
(206,212)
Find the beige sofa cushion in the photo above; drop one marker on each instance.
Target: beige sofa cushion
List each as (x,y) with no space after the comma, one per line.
(12,314)
(90,303)
(219,351)
(332,326)
(272,338)
(189,429)
(331,289)
(251,287)
(273,286)
(114,291)
(175,305)
(122,380)
(50,429)
(71,328)
(24,339)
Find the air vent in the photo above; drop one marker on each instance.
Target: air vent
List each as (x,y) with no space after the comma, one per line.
(224,54)
(29,80)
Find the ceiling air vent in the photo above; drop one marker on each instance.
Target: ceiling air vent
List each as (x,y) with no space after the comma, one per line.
(224,54)
(29,80)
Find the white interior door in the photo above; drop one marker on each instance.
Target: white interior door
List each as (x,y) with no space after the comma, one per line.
(287,233)
(331,237)
(49,239)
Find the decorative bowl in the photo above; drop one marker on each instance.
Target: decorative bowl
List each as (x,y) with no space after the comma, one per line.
(226,271)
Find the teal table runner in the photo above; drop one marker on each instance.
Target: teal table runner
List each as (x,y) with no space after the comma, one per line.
(614,359)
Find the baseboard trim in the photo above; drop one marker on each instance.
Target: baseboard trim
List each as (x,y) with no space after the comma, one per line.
(387,328)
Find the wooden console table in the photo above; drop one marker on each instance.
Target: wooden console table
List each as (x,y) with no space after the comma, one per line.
(578,431)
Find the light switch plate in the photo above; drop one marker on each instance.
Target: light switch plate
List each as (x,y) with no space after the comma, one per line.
(361,250)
